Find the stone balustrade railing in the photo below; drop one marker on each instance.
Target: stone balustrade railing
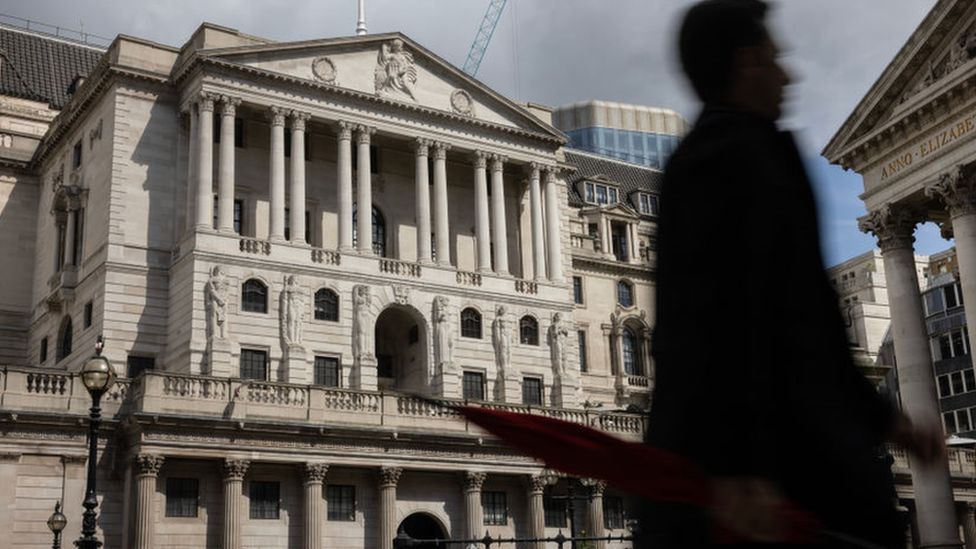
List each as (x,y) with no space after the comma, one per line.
(326,257)
(402,268)
(526,286)
(161,393)
(255,246)
(638,381)
(467,278)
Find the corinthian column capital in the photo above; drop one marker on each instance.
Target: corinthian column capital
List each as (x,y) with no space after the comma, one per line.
(956,189)
(298,119)
(148,464)
(390,476)
(422,146)
(345,130)
(314,472)
(276,115)
(205,101)
(474,480)
(892,225)
(235,469)
(497,162)
(228,105)
(364,133)
(480,160)
(440,150)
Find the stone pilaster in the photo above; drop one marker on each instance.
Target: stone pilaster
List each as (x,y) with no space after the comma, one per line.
(535,207)
(594,511)
(482,237)
(276,184)
(537,517)
(147,468)
(389,477)
(894,227)
(442,234)
(234,471)
(967,519)
(225,171)
(314,476)
(204,162)
(297,188)
(344,177)
(553,227)
(473,513)
(364,190)
(499,230)
(422,196)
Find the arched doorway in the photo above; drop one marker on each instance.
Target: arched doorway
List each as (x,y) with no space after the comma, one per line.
(423,526)
(401,349)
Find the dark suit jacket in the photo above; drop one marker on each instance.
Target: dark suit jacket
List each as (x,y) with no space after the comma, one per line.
(753,369)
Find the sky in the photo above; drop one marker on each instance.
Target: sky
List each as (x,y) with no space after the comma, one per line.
(556,52)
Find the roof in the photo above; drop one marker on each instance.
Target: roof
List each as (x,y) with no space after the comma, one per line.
(628,177)
(41,68)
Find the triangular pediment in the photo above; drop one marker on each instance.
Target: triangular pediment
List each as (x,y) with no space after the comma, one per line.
(389,66)
(939,53)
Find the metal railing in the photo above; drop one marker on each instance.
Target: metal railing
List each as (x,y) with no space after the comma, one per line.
(80,36)
(404,541)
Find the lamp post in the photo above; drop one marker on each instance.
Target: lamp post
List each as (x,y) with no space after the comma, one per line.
(56,524)
(552,478)
(98,376)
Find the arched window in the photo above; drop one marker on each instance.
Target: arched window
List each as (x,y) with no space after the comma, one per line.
(254,296)
(625,293)
(379,231)
(528,330)
(633,364)
(471,323)
(326,305)
(65,338)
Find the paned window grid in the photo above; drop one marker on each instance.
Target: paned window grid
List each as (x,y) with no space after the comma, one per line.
(327,371)
(254,364)
(495,508)
(341,502)
(265,499)
(182,497)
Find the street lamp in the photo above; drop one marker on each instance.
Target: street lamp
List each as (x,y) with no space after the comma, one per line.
(56,524)
(551,478)
(98,376)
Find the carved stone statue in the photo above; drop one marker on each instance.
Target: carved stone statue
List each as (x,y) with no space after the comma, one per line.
(362,327)
(443,336)
(292,311)
(558,334)
(215,294)
(501,338)
(395,72)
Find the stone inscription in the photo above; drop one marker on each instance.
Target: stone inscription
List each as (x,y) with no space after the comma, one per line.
(928,146)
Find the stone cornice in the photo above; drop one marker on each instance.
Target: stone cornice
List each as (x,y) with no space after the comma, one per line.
(614,267)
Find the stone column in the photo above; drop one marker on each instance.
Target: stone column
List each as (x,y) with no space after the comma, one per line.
(147,471)
(442,234)
(967,519)
(234,471)
(69,236)
(314,475)
(553,227)
(473,517)
(344,177)
(389,477)
(894,228)
(422,196)
(482,238)
(204,179)
(537,513)
(632,254)
(225,171)
(594,511)
(498,229)
(538,242)
(276,185)
(297,209)
(364,191)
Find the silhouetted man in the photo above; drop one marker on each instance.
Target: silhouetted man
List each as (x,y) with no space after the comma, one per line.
(755,381)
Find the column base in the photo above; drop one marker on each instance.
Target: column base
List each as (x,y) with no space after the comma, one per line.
(226,231)
(295,365)
(277,239)
(219,358)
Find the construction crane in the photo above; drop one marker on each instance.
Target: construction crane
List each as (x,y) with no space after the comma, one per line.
(481,41)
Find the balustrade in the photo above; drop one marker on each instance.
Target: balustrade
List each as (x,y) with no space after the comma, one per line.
(402,268)
(638,381)
(276,393)
(467,278)
(327,257)
(47,384)
(526,286)
(255,246)
(350,401)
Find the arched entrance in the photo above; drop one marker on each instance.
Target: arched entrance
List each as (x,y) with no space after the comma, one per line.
(423,526)
(401,349)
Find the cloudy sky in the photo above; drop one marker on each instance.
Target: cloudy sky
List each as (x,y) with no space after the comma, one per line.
(561,51)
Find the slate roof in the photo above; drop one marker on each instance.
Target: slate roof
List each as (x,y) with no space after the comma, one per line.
(628,177)
(39,67)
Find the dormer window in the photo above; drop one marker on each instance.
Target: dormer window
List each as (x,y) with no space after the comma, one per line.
(647,203)
(598,193)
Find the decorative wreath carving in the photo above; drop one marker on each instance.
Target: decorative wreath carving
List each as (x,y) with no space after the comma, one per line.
(461,103)
(324,69)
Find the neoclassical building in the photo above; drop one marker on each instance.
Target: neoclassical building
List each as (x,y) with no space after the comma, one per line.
(204,208)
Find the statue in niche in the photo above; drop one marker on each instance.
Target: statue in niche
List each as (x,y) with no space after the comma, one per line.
(292,311)
(501,337)
(558,334)
(395,72)
(362,328)
(215,300)
(443,340)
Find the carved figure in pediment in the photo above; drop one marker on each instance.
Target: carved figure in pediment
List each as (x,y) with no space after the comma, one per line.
(292,312)
(395,72)
(215,294)
(362,341)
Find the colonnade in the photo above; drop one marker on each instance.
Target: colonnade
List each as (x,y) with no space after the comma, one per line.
(432,212)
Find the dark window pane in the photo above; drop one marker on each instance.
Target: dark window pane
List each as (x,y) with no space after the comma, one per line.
(384,366)
(254,364)
(495,508)
(379,231)
(254,296)
(473,385)
(135,365)
(88,314)
(944,388)
(265,499)
(471,323)
(950,422)
(613,512)
(962,420)
(239,133)
(341,501)
(65,339)
(950,296)
(532,391)
(327,371)
(326,305)
(945,348)
(581,336)
(625,294)
(76,156)
(958,347)
(238,215)
(633,365)
(43,350)
(182,497)
(528,330)
(555,512)
(578,290)
(970,379)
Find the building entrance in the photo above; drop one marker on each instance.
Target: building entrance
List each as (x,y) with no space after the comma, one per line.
(423,526)
(401,349)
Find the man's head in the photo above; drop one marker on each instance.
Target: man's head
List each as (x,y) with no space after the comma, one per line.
(729,57)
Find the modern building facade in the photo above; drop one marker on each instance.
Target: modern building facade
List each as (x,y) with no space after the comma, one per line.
(633,133)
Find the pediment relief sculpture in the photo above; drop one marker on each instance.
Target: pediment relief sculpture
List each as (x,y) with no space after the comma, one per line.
(324,70)
(962,49)
(395,73)
(461,103)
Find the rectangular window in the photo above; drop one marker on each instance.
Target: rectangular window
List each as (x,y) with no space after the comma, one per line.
(648,204)
(238,215)
(76,156)
(43,358)
(581,337)
(88,314)
(578,290)
(79,233)
(958,345)
(601,194)
(555,512)
(327,371)
(944,388)
(532,391)
(945,347)
(950,296)
(957,384)
(934,302)
(182,497)
(341,501)
(589,193)
(962,420)
(613,513)
(495,508)
(612,195)
(254,364)
(970,379)
(135,365)
(950,422)
(265,499)
(473,385)
(239,133)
